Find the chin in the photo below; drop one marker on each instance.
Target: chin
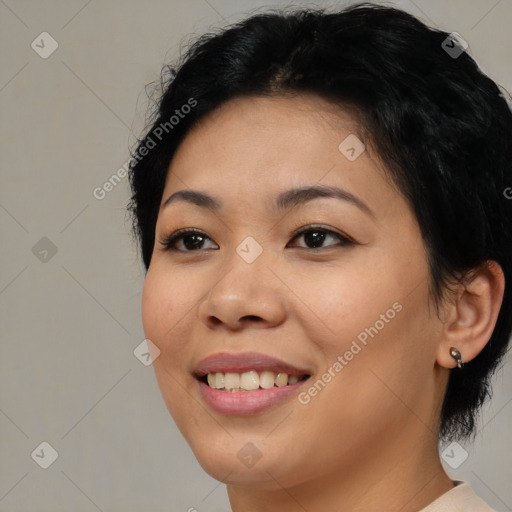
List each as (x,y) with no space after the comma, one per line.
(237,461)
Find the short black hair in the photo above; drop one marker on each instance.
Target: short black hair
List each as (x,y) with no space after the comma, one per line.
(440,125)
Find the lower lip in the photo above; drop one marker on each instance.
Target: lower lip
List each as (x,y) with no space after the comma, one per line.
(248,402)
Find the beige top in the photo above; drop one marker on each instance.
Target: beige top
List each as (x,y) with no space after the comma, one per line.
(461,498)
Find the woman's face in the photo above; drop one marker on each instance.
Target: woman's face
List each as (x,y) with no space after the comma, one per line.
(346,303)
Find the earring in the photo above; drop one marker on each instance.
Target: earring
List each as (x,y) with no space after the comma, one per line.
(456,355)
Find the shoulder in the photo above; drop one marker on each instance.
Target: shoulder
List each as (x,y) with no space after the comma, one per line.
(461,498)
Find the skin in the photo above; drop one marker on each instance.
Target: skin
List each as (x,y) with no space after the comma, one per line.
(368,440)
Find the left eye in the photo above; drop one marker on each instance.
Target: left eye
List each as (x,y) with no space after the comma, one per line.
(193,240)
(317,236)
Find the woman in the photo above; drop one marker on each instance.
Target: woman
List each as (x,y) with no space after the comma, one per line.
(322,213)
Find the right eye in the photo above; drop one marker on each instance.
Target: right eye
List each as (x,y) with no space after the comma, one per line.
(191,239)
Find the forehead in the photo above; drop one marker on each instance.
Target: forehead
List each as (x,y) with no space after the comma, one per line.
(259,146)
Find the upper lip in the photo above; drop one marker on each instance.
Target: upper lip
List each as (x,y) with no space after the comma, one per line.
(244,362)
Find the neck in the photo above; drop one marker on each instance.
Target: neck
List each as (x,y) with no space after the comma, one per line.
(405,475)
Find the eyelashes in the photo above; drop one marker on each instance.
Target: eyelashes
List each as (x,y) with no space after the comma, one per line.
(193,239)
(169,242)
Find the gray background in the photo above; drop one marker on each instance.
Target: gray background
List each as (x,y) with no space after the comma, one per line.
(70,321)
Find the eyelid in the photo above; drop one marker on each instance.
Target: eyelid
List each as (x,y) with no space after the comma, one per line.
(311,227)
(168,241)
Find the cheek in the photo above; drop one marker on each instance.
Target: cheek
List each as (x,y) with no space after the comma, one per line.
(380,305)
(386,341)
(164,319)
(169,316)
(164,309)
(153,304)
(344,301)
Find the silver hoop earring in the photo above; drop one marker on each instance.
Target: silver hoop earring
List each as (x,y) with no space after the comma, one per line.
(455,353)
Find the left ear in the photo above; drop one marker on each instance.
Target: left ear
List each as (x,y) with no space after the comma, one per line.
(471,317)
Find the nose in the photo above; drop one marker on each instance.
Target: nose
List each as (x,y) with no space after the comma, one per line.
(247,295)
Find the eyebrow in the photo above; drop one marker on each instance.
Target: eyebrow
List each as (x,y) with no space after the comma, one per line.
(284,201)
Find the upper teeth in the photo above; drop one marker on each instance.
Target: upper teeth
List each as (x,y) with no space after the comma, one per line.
(249,381)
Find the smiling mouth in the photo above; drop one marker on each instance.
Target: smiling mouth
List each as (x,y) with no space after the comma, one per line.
(252,380)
